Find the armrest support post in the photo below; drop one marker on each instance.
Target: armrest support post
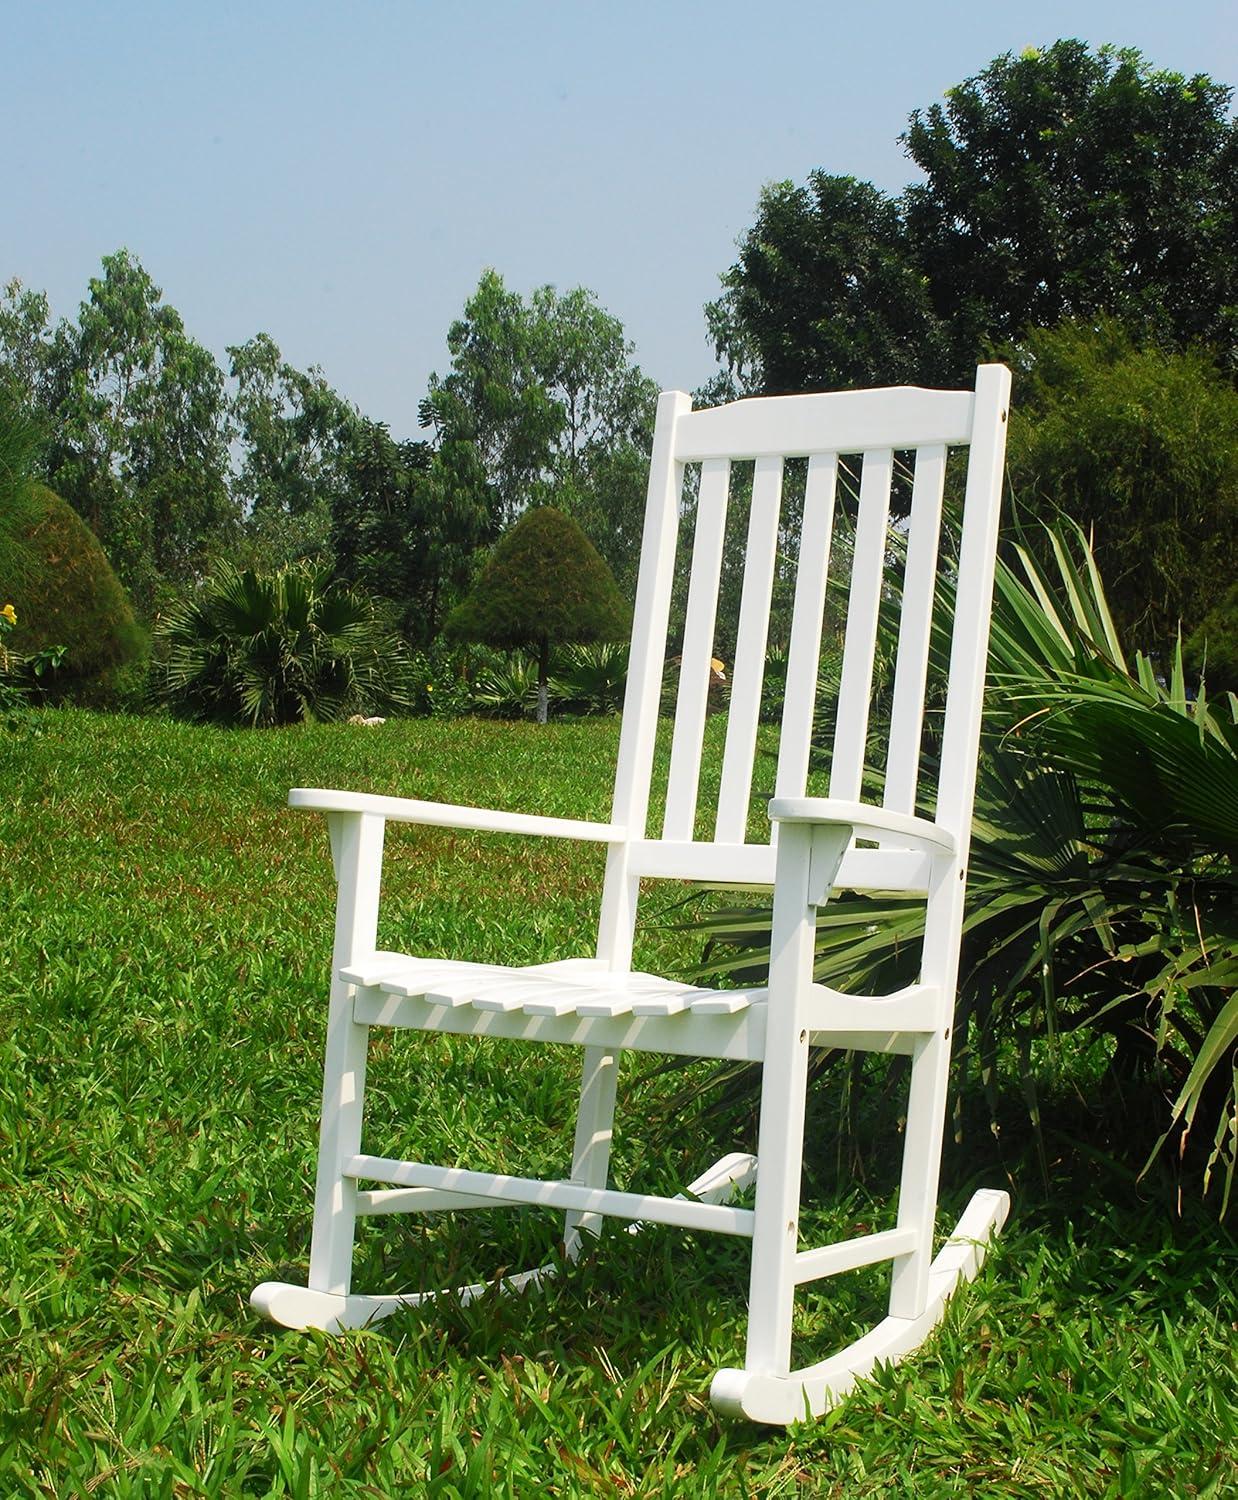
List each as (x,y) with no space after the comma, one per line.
(357,854)
(357,850)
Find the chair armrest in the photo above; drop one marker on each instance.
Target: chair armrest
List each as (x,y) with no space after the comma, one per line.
(445,815)
(867,822)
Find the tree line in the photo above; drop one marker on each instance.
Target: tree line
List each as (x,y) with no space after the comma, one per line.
(178,464)
(1076,215)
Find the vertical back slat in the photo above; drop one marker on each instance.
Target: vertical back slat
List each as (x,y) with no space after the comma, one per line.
(977,564)
(863,604)
(919,578)
(698,648)
(749,672)
(646,659)
(804,654)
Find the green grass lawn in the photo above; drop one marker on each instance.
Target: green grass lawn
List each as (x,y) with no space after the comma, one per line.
(164,942)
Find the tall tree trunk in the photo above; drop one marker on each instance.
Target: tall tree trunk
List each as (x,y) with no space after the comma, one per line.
(543,677)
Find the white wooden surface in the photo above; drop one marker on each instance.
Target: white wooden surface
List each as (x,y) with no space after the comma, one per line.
(698,649)
(863,603)
(749,673)
(804,649)
(807,850)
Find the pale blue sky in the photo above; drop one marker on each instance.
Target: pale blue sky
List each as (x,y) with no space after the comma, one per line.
(338,175)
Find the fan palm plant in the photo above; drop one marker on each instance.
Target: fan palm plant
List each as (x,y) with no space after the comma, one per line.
(278,648)
(590,679)
(1103,893)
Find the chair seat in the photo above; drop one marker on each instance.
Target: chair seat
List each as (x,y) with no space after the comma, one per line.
(569,1001)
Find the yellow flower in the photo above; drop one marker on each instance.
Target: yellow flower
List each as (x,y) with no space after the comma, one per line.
(9,613)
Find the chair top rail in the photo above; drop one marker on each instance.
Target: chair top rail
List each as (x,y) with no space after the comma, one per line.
(897,417)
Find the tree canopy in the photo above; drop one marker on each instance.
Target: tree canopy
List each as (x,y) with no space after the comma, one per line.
(176,467)
(544,585)
(1058,183)
(1065,183)
(404,529)
(296,436)
(1139,445)
(545,392)
(135,420)
(826,292)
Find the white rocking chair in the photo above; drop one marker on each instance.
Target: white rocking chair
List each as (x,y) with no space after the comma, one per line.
(816,845)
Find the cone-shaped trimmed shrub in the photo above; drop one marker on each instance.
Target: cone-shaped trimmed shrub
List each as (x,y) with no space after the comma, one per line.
(57,577)
(545,585)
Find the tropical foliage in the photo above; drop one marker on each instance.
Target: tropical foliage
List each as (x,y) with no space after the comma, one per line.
(590,679)
(1103,894)
(505,687)
(278,648)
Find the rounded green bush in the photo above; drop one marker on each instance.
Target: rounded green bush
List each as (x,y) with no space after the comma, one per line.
(57,577)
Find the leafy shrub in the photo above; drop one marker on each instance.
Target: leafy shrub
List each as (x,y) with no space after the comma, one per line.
(1212,649)
(1103,874)
(583,680)
(439,680)
(19,674)
(544,585)
(590,679)
(62,587)
(279,648)
(505,687)
(1140,447)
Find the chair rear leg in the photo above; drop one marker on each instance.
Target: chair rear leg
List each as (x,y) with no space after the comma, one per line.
(917,1193)
(594,1128)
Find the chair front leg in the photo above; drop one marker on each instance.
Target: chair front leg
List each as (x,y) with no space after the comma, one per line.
(357,849)
(808,860)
